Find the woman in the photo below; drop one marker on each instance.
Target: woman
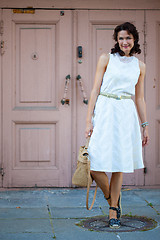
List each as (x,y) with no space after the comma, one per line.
(112,121)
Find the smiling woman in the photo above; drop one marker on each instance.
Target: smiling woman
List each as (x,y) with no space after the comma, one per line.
(112,121)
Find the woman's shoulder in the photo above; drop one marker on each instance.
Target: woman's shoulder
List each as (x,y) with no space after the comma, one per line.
(142,66)
(104,58)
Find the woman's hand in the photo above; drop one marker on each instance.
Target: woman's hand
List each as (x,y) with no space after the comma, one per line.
(145,140)
(89,129)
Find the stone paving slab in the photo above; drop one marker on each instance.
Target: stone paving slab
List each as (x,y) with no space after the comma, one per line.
(13,213)
(131,198)
(40,198)
(142,211)
(73,199)
(26,236)
(147,235)
(59,202)
(22,198)
(74,212)
(152,195)
(25,226)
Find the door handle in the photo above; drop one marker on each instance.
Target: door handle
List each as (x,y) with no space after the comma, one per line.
(79,51)
(85,100)
(64,100)
(2,51)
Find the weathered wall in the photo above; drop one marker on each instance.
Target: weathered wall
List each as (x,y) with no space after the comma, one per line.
(82,4)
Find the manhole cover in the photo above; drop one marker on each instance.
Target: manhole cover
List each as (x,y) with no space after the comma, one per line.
(128,224)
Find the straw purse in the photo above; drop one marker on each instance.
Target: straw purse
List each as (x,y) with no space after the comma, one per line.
(82,176)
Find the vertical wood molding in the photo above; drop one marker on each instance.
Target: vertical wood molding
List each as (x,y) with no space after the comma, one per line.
(1,152)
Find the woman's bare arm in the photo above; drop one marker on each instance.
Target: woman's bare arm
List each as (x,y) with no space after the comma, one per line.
(140,102)
(101,67)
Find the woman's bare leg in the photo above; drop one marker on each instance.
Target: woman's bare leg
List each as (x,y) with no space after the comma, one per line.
(115,188)
(102,181)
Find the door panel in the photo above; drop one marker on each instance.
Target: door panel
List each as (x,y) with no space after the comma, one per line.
(36,131)
(152,152)
(95,30)
(35,57)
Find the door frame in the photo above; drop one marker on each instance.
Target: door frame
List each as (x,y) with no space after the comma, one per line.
(1,109)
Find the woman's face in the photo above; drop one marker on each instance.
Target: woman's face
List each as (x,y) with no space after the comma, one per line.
(125,41)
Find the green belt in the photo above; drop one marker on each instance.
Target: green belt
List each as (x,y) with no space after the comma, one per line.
(110,95)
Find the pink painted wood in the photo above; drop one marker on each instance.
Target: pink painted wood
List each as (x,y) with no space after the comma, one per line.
(152,152)
(95,30)
(1,154)
(79,4)
(37,128)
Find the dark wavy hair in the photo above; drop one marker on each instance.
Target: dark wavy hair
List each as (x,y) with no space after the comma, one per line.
(131,29)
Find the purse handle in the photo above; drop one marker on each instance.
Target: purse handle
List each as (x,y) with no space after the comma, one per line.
(88,185)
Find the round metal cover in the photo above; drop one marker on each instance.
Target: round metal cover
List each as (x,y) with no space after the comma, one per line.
(128,224)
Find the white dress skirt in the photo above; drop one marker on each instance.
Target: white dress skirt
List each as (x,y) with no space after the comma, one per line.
(116,144)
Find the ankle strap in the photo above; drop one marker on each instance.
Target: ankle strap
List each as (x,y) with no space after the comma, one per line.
(114,209)
(108,197)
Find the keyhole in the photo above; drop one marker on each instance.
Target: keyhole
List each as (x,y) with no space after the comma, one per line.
(34,56)
(154,85)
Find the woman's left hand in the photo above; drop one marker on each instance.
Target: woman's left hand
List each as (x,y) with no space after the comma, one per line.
(145,140)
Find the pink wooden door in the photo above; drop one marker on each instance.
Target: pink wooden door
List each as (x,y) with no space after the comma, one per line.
(36,126)
(152,153)
(40,51)
(95,30)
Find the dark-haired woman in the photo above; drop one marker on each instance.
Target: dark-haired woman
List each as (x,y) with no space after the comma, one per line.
(112,121)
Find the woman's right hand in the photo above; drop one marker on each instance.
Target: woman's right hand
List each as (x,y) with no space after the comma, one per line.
(145,140)
(89,129)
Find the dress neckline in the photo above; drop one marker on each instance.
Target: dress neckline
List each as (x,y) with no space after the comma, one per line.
(125,59)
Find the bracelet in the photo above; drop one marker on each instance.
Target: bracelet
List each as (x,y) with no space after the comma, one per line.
(144,124)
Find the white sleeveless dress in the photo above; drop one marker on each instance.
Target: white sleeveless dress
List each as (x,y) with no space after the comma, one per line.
(116,144)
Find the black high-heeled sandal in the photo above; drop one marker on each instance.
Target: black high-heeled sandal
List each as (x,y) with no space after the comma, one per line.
(113,222)
(119,210)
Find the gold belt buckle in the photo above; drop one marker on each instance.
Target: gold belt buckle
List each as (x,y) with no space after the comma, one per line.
(119,98)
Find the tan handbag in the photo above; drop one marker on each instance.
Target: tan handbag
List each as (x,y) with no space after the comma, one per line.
(82,176)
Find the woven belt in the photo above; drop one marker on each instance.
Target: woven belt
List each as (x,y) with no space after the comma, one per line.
(110,95)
